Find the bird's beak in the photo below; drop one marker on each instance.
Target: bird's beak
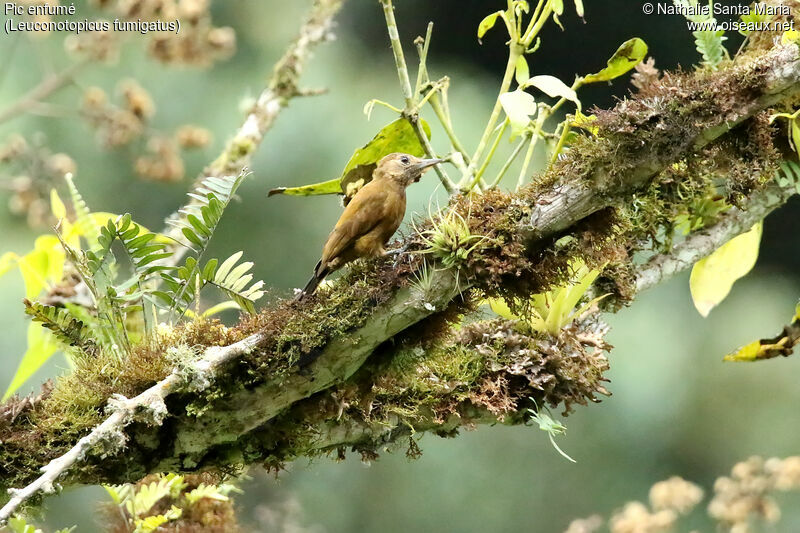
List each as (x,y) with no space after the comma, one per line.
(426,163)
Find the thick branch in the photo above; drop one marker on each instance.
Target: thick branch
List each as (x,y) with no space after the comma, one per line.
(702,243)
(725,103)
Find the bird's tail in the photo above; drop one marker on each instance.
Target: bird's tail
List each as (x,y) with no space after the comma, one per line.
(316,279)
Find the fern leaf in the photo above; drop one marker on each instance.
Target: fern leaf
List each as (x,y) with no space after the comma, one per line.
(709,45)
(198,219)
(233,279)
(83,219)
(67,329)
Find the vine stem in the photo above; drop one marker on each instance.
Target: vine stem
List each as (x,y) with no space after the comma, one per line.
(534,140)
(47,87)
(411,112)
(514,54)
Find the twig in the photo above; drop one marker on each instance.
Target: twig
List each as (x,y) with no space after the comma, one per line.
(197,376)
(489,157)
(411,112)
(47,87)
(508,163)
(529,154)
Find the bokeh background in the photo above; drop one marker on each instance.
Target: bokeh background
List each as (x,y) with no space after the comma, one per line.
(676,408)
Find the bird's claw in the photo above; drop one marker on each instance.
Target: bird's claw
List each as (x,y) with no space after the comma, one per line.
(398,253)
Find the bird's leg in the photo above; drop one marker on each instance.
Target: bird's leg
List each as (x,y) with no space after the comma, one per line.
(397,252)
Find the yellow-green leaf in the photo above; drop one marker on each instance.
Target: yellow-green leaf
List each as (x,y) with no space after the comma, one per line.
(521,70)
(519,106)
(7,262)
(790,36)
(398,136)
(41,345)
(487,24)
(500,307)
(57,207)
(627,56)
(795,135)
(325,187)
(713,277)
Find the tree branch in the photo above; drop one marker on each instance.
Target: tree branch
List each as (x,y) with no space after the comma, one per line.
(48,86)
(333,333)
(698,245)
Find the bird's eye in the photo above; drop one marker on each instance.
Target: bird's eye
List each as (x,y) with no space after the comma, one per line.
(404,160)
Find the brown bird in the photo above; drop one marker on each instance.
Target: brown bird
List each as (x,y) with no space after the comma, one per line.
(371,217)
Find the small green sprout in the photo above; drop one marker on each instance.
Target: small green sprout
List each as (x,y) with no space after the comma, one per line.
(553,427)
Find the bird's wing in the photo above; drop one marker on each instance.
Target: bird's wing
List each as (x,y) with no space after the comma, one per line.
(362,214)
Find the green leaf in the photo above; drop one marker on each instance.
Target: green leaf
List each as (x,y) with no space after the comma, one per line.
(398,136)
(487,24)
(41,345)
(501,308)
(553,87)
(713,276)
(521,70)
(227,265)
(627,56)
(519,106)
(67,329)
(333,186)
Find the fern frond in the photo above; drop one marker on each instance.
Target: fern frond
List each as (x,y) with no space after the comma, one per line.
(199,218)
(233,279)
(709,45)
(67,329)
(83,218)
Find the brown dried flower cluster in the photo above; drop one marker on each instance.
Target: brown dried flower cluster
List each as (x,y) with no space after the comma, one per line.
(198,42)
(120,125)
(738,502)
(100,46)
(32,171)
(745,495)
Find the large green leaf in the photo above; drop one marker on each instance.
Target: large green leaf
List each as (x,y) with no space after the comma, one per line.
(713,276)
(399,136)
(41,345)
(325,187)
(627,56)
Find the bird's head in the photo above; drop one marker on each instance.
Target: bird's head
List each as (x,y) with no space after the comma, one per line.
(404,169)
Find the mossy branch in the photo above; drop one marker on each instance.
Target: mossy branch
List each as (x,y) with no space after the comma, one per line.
(702,243)
(301,352)
(666,128)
